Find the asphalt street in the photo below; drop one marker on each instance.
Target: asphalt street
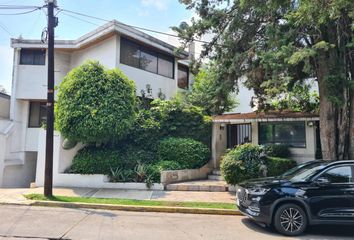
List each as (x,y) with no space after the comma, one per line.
(22,222)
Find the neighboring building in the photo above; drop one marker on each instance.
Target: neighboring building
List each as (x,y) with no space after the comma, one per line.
(4,105)
(298,130)
(157,69)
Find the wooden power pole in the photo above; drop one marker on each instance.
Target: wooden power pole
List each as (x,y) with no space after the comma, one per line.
(48,174)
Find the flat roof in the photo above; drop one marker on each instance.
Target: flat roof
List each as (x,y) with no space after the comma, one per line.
(265,116)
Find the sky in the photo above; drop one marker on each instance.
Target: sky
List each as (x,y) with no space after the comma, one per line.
(153,14)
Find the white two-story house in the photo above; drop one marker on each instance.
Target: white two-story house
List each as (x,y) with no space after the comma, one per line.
(157,69)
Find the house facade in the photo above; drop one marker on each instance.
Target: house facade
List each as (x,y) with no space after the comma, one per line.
(298,130)
(156,68)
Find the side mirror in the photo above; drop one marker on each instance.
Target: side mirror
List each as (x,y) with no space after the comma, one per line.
(322,181)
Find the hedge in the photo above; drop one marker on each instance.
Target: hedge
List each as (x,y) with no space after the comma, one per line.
(277,150)
(277,166)
(187,152)
(241,163)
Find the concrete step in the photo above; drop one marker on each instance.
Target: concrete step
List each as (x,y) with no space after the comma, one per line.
(202,185)
(13,162)
(216,172)
(215,177)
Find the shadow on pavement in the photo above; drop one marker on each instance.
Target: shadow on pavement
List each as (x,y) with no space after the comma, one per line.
(323,232)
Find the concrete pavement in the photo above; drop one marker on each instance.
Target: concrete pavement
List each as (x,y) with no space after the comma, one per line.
(25,222)
(15,195)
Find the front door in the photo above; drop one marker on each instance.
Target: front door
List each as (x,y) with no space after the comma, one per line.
(238,134)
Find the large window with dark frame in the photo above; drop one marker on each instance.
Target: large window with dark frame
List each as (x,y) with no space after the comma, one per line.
(290,133)
(139,56)
(37,114)
(32,56)
(183,77)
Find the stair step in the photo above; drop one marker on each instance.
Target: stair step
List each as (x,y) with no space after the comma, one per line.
(215,177)
(13,162)
(217,172)
(204,186)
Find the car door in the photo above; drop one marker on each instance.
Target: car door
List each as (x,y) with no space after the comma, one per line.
(331,197)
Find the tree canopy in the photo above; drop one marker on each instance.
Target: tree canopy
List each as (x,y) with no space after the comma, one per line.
(277,43)
(209,93)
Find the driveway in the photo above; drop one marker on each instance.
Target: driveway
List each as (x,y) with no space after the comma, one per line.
(20,222)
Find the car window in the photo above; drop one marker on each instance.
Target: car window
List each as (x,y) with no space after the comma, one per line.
(339,175)
(303,166)
(305,174)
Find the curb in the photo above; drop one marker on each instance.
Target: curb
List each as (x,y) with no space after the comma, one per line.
(211,211)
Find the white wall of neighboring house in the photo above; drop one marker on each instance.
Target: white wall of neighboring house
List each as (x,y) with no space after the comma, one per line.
(4,106)
(19,156)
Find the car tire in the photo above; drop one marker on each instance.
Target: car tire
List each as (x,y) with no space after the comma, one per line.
(290,220)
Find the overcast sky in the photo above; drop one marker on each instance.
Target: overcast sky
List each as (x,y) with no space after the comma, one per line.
(154,14)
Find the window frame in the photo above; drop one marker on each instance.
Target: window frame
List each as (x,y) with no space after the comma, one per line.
(32,50)
(178,69)
(151,51)
(39,125)
(319,175)
(273,133)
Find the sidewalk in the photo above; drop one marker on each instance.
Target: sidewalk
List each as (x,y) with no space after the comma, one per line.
(15,195)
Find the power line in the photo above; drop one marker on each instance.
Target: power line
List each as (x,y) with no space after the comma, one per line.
(21,13)
(5,29)
(128,25)
(83,20)
(16,7)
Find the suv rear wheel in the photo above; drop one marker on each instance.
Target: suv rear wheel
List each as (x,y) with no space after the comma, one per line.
(290,219)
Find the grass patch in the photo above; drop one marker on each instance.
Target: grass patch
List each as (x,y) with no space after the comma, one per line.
(130,202)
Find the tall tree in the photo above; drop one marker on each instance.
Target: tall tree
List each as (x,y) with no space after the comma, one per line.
(211,94)
(282,42)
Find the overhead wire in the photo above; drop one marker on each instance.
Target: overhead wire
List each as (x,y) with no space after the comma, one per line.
(128,25)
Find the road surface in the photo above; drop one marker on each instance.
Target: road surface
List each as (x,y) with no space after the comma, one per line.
(20,222)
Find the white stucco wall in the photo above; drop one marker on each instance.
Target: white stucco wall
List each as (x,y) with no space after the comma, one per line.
(21,175)
(4,107)
(104,52)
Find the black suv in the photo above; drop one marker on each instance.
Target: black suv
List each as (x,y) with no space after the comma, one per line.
(318,193)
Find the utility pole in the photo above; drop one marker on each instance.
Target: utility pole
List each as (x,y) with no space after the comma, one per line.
(48,174)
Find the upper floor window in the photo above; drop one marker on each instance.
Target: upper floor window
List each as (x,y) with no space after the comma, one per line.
(183,77)
(138,56)
(290,133)
(32,57)
(37,114)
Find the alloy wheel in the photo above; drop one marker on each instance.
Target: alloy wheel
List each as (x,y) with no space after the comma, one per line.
(291,220)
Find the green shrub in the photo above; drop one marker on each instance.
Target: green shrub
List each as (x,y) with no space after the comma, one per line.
(277,150)
(233,170)
(95,104)
(277,166)
(179,119)
(135,154)
(168,165)
(241,163)
(187,152)
(94,160)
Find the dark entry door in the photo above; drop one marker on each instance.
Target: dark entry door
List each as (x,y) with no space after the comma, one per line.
(238,134)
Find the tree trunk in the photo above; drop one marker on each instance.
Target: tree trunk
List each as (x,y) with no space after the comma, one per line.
(351,128)
(328,124)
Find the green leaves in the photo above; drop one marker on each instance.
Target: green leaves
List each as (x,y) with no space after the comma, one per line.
(95,105)
(211,94)
(188,153)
